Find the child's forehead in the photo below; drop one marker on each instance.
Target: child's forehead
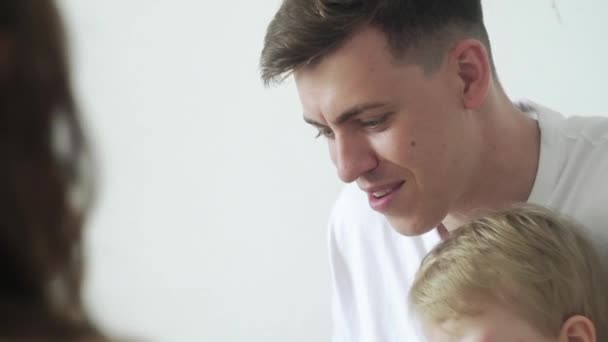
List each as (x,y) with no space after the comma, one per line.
(450,329)
(469,329)
(480,314)
(493,323)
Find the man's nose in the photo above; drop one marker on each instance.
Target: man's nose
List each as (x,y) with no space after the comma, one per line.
(353,157)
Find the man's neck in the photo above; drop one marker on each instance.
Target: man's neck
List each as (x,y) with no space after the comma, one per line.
(507,165)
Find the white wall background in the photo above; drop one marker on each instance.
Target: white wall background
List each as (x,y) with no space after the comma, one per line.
(210,224)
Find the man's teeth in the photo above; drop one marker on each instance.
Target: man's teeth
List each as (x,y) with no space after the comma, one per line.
(383,193)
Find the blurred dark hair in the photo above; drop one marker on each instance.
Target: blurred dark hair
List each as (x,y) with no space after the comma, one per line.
(44,193)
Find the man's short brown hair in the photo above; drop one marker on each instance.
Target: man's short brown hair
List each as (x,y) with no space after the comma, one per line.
(304,31)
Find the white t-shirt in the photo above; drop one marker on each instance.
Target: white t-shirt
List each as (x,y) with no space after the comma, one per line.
(373,266)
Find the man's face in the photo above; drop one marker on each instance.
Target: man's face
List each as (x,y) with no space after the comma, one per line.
(402,135)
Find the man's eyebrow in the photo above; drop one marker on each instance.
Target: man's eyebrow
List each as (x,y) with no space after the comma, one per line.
(349,113)
(357,110)
(313,122)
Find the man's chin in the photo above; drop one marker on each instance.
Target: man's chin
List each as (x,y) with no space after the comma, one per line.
(410,226)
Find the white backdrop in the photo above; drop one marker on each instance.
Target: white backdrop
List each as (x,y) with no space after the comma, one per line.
(210,224)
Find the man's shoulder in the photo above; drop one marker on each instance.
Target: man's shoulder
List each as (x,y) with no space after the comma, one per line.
(574,165)
(573,148)
(583,140)
(585,128)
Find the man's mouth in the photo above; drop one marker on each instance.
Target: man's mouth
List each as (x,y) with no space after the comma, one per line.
(381,197)
(386,191)
(382,193)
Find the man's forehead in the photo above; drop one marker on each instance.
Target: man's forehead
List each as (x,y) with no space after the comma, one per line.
(333,99)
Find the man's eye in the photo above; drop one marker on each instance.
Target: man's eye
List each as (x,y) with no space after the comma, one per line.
(375,122)
(326,132)
(372,123)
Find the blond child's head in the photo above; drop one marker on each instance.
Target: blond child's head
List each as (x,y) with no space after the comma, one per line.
(523,274)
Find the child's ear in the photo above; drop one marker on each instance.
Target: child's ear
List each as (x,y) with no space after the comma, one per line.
(577,329)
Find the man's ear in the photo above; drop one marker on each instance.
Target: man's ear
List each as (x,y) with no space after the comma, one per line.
(474,71)
(578,329)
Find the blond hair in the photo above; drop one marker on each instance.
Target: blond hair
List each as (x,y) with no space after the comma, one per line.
(526,258)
